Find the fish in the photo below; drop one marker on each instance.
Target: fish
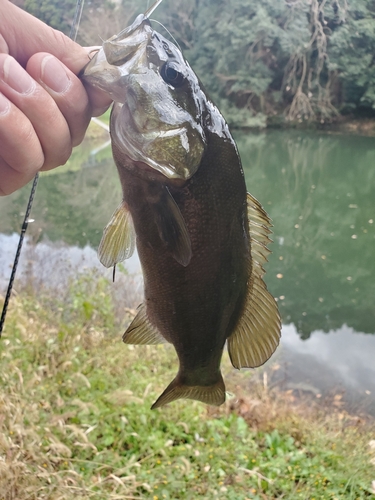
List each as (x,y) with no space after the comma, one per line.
(202,239)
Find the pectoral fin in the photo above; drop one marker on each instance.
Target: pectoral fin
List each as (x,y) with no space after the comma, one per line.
(118,240)
(172,228)
(257,333)
(141,331)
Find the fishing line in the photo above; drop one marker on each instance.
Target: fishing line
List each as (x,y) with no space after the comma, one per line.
(76,20)
(169,33)
(73,36)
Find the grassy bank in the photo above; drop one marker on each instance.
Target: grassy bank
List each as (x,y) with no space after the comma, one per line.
(75,420)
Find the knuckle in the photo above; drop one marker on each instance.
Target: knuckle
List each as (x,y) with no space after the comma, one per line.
(65,154)
(59,156)
(4,191)
(60,40)
(30,143)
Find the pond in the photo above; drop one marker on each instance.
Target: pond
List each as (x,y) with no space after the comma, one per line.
(318,188)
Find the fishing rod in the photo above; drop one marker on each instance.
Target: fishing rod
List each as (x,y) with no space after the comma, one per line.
(73,35)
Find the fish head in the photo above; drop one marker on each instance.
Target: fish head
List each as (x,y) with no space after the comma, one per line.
(158,102)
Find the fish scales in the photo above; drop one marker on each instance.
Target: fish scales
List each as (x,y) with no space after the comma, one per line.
(183,302)
(201,238)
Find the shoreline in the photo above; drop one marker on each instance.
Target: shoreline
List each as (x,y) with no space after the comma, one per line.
(342,125)
(99,126)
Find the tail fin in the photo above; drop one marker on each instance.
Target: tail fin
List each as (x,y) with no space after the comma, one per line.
(209,394)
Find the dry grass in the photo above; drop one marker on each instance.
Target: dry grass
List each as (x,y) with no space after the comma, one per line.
(75,421)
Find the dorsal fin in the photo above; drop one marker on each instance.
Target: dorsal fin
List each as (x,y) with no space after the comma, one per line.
(172,228)
(257,333)
(141,331)
(118,240)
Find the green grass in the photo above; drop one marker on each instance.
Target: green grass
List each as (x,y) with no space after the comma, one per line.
(75,420)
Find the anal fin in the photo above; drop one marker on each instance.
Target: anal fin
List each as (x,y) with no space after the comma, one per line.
(141,331)
(257,333)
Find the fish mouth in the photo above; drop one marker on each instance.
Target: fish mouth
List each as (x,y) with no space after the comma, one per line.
(122,47)
(118,57)
(150,120)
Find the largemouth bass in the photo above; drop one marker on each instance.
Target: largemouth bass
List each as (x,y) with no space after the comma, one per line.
(201,238)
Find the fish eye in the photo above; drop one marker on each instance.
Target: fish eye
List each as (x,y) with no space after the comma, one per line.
(171,75)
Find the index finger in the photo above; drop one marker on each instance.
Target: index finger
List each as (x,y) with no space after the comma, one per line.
(38,37)
(23,43)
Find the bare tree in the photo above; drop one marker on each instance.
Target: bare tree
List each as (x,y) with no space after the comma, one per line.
(307,76)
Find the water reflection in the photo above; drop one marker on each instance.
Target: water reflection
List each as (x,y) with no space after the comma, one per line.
(319,190)
(342,360)
(71,205)
(48,265)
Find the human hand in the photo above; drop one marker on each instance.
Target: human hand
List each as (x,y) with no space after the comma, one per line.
(44,107)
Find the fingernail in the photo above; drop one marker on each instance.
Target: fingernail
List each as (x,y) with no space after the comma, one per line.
(4,105)
(16,77)
(54,75)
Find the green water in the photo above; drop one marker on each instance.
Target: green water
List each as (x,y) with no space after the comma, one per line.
(320,192)
(319,189)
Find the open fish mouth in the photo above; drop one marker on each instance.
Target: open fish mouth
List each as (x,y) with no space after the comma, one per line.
(120,54)
(117,58)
